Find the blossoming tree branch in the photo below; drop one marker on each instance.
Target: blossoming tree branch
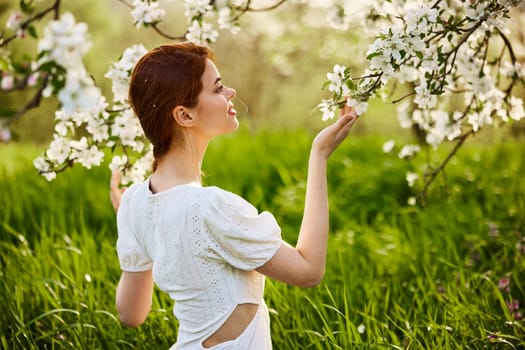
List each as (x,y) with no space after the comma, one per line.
(431,52)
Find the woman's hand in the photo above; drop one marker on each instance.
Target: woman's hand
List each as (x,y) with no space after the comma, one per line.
(115,193)
(330,137)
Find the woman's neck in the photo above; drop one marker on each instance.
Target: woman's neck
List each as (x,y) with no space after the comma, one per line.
(180,165)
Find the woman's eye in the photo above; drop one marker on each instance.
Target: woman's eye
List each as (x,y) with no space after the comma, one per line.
(220,88)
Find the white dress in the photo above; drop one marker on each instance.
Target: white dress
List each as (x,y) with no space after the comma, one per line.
(203,245)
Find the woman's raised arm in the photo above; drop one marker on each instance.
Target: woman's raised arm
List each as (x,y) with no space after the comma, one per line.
(304,265)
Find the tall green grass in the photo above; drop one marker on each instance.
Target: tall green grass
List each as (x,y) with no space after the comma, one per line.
(398,276)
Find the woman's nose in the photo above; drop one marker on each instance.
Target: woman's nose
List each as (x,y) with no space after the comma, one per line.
(232,92)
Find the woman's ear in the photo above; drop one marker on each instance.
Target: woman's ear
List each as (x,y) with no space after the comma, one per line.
(182,116)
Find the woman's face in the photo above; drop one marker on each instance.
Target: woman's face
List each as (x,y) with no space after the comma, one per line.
(214,112)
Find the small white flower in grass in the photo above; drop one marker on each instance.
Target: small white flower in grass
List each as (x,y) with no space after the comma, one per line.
(361,329)
(360,107)
(87,277)
(408,151)
(389,146)
(411,201)
(411,178)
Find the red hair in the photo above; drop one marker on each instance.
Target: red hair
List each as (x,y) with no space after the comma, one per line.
(166,77)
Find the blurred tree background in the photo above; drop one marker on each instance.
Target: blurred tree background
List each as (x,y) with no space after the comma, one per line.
(277,63)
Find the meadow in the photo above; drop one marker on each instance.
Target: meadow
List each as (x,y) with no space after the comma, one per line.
(448,275)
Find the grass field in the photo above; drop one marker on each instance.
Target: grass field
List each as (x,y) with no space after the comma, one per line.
(449,275)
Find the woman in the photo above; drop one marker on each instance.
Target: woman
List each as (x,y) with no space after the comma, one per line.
(209,249)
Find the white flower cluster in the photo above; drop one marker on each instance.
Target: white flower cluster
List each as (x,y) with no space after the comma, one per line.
(201,32)
(120,72)
(146,13)
(64,43)
(341,85)
(198,12)
(421,47)
(125,126)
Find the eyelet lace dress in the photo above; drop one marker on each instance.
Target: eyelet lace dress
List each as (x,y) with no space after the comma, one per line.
(203,245)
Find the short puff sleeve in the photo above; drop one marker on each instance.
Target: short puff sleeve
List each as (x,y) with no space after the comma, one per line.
(245,239)
(131,253)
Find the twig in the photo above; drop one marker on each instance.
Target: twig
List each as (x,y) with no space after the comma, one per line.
(33,103)
(432,176)
(55,8)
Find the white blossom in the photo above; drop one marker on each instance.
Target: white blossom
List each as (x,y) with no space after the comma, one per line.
(64,41)
(201,33)
(8,82)
(5,134)
(337,79)
(405,121)
(424,99)
(120,72)
(409,151)
(85,154)
(14,21)
(32,79)
(359,106)
(388,146)
(411,178)
(225,20)
(79,93)
(126,127)
(194,8)
(118,163)
(59,149)
(140,168)
(327,108)
(146,12)
(339,17)
(516,111)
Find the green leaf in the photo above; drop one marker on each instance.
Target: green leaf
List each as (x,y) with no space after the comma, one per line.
(27,6)
(374,54)
(4,65)
(32,31)
(6,112)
